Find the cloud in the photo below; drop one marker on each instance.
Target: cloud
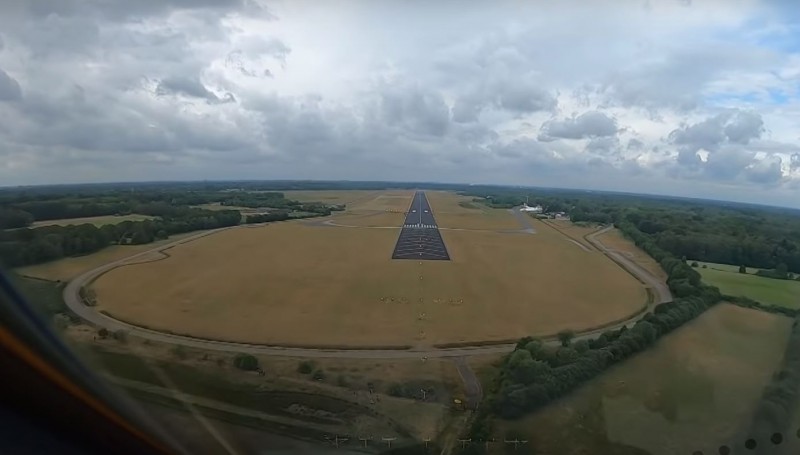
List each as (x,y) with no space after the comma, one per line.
(179,89)
(9,88)
(190,87)
(588,124)
(766,171)
(736,126)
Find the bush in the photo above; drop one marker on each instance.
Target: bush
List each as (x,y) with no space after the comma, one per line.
(695,264)
(742,269)
(305,367)
(103,333)
(245,362)
(180,352)
(705,266)
(120,335)
(318,375)
(565,337)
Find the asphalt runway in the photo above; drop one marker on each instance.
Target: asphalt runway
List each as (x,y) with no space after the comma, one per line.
(420,237)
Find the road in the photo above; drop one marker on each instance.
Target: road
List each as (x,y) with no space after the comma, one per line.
(74,302)
(660,289)
(472,385)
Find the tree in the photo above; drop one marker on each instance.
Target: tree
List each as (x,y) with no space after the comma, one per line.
(581,346)
(245,362)
(565,337)
(742,269)
(305,367)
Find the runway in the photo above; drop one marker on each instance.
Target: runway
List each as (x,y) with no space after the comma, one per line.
(420,237)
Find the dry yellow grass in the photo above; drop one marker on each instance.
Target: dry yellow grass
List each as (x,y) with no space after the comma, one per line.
(95,220)
(68,268)
(572,230)
(398,200)
(449,214)
(371,219)
(301,284)
(694,390)
(614,240)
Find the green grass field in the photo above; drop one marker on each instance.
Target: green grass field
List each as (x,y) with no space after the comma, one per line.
(765,290)
(695,389)
(96,220)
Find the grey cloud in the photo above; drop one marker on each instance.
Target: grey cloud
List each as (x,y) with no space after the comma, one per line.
(190,87)
(525,98)
(707,134)
(257,46)
(607,146)
(588,124)
(795,161)
(766,171)
(120,10)
(689,158)
(744,127)
(737,127)
(635,144)
(678,79)
(514,96)
(415,110)
(9,88)
(728,164)
(2,43)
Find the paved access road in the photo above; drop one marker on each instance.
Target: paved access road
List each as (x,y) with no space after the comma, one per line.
(73,300)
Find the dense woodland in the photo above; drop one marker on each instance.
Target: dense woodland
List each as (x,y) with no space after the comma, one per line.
(711,231)
(171,205)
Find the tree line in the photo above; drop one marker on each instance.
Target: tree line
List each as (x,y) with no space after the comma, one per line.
(21,209)
(740,234)
(32,246)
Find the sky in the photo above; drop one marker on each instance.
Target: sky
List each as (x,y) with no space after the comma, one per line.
(695,98)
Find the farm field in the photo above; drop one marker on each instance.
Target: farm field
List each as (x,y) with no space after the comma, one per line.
(765,290)
(693,391)
(65,269)
(615,240)
(331,197)
(95,220)
(300,283)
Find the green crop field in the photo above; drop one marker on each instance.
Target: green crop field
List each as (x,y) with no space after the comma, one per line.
(766,290)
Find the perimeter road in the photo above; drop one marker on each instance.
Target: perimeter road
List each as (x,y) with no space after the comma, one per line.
(74,302)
